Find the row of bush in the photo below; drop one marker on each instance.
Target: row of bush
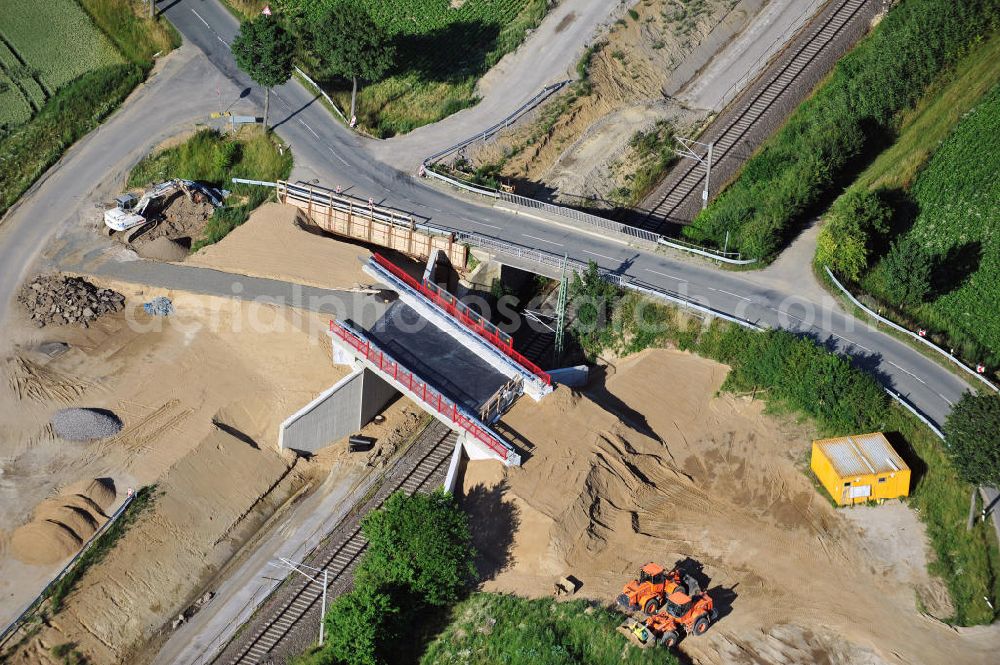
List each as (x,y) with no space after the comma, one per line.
(835,131)
(798,376)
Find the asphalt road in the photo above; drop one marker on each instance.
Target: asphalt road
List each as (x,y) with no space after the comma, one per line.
(327,151)
(330,153)
(201,77)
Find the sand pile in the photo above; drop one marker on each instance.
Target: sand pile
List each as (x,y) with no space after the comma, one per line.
(61,524)
(85,424)
(649,464)
(162,249)
(278,243)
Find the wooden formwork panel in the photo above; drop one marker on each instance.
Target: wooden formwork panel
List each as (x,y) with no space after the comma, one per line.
(359,225)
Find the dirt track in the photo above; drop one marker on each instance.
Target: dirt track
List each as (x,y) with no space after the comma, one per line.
(653,466)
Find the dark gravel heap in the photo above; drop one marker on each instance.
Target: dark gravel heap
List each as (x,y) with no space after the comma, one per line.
(58,300)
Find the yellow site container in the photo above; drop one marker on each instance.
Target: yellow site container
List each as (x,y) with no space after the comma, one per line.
(860,468)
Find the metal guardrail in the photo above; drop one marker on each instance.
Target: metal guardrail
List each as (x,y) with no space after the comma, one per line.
(912,409)
(553,260)
(332,104)
(429,396)
(13,626)
(529,105)
(583,220)
(895,326)
(354,206)
(626,232)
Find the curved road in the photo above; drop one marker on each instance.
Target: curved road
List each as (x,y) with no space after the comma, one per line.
(190,84)
(327,151)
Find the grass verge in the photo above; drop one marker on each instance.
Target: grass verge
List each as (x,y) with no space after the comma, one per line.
(215,158)
(99,549)
(491,628)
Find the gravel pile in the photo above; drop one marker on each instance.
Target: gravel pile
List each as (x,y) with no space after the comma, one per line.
(53,299)
(85,424)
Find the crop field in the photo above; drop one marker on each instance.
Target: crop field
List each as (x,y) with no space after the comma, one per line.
(45,44)
(442,48)
(956,224)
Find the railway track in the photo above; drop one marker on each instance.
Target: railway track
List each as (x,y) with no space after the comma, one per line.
(679,198)
(287,622)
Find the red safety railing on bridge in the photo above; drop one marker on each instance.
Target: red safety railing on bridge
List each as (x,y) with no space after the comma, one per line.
(466,316)
(411,382)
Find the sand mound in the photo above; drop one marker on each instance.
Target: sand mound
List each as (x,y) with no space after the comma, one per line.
(278,243)
(99,490)
(162,249)
(653,465)
(77,520)
(44,542)
(85,424)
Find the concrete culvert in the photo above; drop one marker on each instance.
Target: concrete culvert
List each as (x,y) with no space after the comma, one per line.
(85,424)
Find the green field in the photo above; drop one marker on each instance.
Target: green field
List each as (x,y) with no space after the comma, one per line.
(957,218)
(64,66)
(843,125)
(441,51)
(938,203)
(56,39)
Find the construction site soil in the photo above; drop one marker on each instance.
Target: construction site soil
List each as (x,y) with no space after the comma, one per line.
(580,148)
(278,242)
(201,394)
(651,463)
(180,222)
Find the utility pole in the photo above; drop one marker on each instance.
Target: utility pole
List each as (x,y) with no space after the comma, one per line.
(688,151)
(152,9)
(557,349)
(297,567)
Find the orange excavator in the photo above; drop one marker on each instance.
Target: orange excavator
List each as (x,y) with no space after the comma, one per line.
(648,593)
(681,613)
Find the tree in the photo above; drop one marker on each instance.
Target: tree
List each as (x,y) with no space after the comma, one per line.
(356,626)
(264,50)
(854,221)
(420,542)
(593,298)
(352,45)
(905,273)
(972,431)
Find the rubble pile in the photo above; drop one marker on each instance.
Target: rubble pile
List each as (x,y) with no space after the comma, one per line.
(58,300)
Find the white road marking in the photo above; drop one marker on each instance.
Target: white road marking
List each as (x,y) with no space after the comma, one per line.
(201,19)
(558,244)
(303,123)
(484,224)
(852,342)
(907,372)
(224,42)
(603,256)
(730,293)
(950,403)
(663,274)
(334,153)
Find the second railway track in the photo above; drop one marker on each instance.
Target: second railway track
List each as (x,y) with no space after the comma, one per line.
(679,197)
(285,623)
